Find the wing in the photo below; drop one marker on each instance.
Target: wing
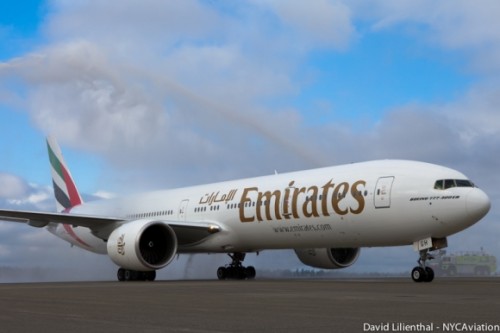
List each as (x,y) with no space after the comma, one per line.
(187,232)
(42,219)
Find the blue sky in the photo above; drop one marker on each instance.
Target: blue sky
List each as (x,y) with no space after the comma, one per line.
(380,72)
(20,26)
(153,94)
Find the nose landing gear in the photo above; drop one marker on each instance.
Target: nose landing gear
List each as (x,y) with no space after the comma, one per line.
(235,270)
(422,273)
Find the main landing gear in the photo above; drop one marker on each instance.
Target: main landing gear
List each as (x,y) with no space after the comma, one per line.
(422,273)
(235,270)
(130,275)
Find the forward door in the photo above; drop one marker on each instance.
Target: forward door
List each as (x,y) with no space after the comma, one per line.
(383,190)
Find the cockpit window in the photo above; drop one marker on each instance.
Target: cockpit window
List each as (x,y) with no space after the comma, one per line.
(464,183)
(438,185)
(444,184)
(449,183)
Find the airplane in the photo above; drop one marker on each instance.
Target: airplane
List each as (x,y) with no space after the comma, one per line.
(325,215)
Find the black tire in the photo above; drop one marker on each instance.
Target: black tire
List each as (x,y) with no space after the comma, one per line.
(240,273)
(150,276)
(222,273)
(418,274)
(121,274)
(131,275)
(429,274)
(250,272)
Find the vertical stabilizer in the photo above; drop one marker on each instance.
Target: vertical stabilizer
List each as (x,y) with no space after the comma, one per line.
(65,191)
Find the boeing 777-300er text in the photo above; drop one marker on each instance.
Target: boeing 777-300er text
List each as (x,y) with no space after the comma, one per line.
(325,215)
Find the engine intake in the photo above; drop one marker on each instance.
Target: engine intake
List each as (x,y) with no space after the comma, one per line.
(142,245)
(328,258)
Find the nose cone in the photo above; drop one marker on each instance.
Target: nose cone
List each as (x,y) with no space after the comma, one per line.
(477,204)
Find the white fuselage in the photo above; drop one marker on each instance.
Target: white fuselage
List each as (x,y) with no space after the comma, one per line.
(378,203)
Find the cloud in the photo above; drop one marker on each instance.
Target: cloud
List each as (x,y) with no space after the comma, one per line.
(155,80)
(11,186)
(207,94)
(75,93)
(135,24)
(17,193)
(325,23)
(477,112)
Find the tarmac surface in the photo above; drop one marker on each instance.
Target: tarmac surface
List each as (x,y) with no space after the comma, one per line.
(358,305)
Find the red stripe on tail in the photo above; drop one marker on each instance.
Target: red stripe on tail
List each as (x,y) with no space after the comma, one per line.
(74,197)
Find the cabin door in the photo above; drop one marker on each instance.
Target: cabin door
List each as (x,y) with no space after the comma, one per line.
(382,195)
(183,210)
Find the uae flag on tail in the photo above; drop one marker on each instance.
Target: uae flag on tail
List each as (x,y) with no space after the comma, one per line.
(65,191)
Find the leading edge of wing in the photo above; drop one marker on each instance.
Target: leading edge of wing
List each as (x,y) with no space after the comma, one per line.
(42,219)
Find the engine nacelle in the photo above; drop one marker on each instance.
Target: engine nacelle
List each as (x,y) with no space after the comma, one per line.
(328,258)
(142,245)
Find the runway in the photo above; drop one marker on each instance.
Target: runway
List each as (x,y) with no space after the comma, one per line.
(250,306)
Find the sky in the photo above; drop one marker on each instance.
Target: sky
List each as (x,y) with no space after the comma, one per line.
(153,94)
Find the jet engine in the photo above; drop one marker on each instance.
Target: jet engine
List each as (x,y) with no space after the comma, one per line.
(142,245)
(328,258)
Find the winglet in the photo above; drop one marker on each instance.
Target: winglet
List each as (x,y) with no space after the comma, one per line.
(65,191)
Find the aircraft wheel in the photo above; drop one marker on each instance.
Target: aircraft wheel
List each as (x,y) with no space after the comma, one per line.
(131,275)
(121,274)
(150,276)
(240,273)
(250,272)
(418,274)
(222,273)
(429,274)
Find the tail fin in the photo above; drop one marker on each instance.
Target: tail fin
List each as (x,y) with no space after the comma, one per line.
(65,191)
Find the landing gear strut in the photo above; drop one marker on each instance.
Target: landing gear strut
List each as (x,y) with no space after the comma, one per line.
(235,270)
(130,275)
(422,273)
